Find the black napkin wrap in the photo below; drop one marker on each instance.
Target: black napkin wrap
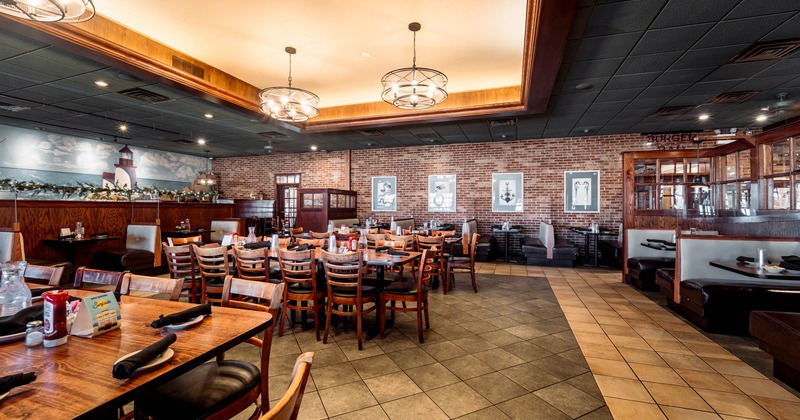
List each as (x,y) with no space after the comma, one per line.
(258,245)
(16,323)
(399,253)
(182,316)
(381,248)
(745,259)
(125,368)
(12,381)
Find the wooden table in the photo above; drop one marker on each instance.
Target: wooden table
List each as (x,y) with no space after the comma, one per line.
(506,232)
(184,233)
(71,247)
(379,260)
(74,380)
(753,271)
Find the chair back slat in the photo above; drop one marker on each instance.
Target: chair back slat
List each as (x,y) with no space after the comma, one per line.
(213,264)
(43,274)
(252,264)
(160,285)
(84,276)
(184,241)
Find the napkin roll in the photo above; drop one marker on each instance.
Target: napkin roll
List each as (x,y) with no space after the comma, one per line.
(258,245)
(7,383)
(182,316)
(16,323)
(125,368)
(745,259)
(393,252)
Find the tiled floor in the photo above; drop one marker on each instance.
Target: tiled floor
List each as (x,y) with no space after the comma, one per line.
(510,352)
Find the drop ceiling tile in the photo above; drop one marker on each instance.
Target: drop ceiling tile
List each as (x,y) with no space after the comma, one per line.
(737,71)
(594,69)
(609,46)
(741,31)
(669,91)
(608,106)
(690,100)
(680,77)
(648,63)
(762,83)
(670,39)
(786,30)
(748,8)
(710,88)
(787,66)
(632,81)
(685,12)
(706,57)
(618,95)
(621,17)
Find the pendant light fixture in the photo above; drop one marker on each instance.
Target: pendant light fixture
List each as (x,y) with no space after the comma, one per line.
(65,11)
(414,87)
(699,181)
(208,177)
(285,103)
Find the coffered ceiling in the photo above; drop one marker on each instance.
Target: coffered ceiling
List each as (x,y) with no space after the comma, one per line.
(625,67)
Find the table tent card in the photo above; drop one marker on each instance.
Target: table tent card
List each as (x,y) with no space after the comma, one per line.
(97,315)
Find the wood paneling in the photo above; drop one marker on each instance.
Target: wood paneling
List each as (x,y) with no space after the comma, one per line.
(40,219)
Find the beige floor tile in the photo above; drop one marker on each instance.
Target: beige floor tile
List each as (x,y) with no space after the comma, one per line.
(338,374)
(392,387)
(492,413)
(676,396)
(593,338)
(607,367)
(346,398)
(707,380)
(629,389)
(709,350)
(629,342)
(781,409)
(620,330)
(647,357)
(669,346)
(417,406)
(659,374)
(686,361)
(633,410)
(610,320)
(458,399)
(733,404)
(762,387)
(676,413)
(496,387)
(732,367)
(591,327)
(431,376)
(531,407)
(373,413)
(374,366)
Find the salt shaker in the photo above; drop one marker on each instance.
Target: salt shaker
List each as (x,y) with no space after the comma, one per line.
(34,334)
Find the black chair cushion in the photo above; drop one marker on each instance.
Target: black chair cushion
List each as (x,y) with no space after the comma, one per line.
(350,292)
(123,259)
(403,288)
(203,390)
(306,287)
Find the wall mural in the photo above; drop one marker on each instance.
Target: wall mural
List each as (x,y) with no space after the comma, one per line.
(42,158)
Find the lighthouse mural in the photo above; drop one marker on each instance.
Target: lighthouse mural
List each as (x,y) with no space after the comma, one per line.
(125,174)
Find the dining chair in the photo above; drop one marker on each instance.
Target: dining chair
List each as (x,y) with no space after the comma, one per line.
(213,263)
(223,388)
(436,244)
(319,243)
(462,264)
(443,232)
(99,278)
(319,235)
(299,272)
(182,265)
(347,295)
(406,291)
(44,274)
(295,231)
(400,244)
(154,285)
(288,407)
(372,237)
(252,264)
(184,241)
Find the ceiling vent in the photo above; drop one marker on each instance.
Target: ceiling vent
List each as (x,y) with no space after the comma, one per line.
(373,132)
(428,136)
(668,111)
(188,67)
(13,108)
(274,135)
(772,50)
(183,141)
(143,95)
(733,97)
(507,122)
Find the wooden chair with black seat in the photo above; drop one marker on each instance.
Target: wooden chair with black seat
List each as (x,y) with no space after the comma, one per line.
(90,278)
(182,265)
(372,237)
(150,286)
(462,264)
(403,243)
(252,264)
(198,239)
(436,245)
(213,264)
(319,235)
(223,388)
(319,243)
(409,290)
(43,274)
(299,272)
(288,407)
(347,295)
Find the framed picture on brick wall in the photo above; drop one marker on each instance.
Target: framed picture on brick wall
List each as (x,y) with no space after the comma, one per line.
(384,193)
(441,193)
(582,191)
(507,192)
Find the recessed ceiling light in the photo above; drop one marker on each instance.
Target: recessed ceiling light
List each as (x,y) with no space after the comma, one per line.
(703,117)
(208,115)
(101,83)
(761,117)
(123,127)
(201,141)
(765,109)
(314,148)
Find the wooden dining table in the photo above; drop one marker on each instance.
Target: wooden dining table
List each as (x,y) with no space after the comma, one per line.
(74,380)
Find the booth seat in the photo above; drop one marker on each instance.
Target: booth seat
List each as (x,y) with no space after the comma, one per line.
(221,228)
(665,280)
(611,252)
(141,253)
(642,261)
(778,334)
(547,250)
(487,244)
(404,223)
(339,222)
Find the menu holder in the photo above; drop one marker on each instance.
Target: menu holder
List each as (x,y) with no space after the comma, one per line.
(97,315)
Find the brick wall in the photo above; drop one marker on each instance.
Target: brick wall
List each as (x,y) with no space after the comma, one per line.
(542,162)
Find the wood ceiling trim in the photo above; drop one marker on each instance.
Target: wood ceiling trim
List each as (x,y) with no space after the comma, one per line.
(108,42)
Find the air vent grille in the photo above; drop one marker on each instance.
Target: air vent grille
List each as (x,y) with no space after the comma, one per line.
(772,50)
(733,97)
(188,67)
(373,132)
(143,95)
(429,136)
(672,110)
(273,135)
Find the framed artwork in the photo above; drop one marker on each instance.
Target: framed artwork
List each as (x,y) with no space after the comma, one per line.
(441,193)
(384,193)
(507,192)
(582,192)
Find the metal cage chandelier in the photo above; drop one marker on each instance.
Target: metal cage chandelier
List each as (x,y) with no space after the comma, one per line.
(66,11)
(285,103)
(414,87)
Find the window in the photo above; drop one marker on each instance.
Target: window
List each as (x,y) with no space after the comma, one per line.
(781,163)
(734,184)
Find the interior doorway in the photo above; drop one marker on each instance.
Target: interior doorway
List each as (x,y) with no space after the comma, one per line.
(286,186)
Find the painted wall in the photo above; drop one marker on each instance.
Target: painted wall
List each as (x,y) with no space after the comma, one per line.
(542,162)
(30,155)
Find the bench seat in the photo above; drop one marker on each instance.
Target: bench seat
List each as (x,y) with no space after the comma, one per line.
(564,253)
(778,334)
(724,306)
(665,280)
(610,253)
(642,270)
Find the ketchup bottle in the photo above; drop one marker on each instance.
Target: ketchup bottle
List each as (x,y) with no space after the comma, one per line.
(352,243)
(55,318)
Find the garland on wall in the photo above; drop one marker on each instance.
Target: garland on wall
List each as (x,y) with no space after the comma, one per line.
(116,193)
